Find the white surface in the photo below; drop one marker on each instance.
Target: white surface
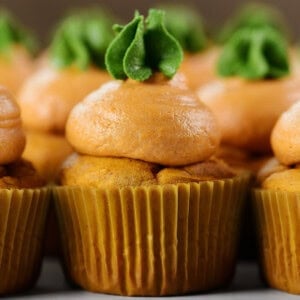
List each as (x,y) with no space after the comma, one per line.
(246,285)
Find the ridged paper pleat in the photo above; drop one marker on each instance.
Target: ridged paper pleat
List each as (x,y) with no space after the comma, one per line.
(22,220)
(154,240)
(277,217)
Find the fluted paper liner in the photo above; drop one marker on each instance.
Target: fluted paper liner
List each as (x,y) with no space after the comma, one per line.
(23,214)
(277,216)
(152,240)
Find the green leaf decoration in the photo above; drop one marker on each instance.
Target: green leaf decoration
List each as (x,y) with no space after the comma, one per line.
(142,48)
(12,33)
(185,24)
(82,39)
(253,15)
(126,54)
(165,56)
(255,53)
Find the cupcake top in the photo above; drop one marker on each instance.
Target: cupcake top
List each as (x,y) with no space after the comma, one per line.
(283,171)
(256,89)
(285,136)
(74,67)
(153,120)
(11,134)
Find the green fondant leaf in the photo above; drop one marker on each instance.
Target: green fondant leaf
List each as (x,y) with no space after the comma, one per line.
(164,51)
(255,53)
(117,49)
(143,48)
(134,59)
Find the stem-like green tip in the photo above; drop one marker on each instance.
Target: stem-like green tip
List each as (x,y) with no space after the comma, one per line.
(253,15)
(185,24)
(143,47)
(12,33)
(255,53)
(82,39)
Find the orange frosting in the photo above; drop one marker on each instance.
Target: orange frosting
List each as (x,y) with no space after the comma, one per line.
(50,94)
(248,110)
(12,138)
(285,137)
(157,123)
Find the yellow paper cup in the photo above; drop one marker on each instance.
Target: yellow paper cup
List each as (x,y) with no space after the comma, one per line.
(151,240)
(277,216)
(23,213)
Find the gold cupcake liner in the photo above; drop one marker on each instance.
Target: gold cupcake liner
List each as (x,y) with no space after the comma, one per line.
(151,240)
(23,213)
(277,216)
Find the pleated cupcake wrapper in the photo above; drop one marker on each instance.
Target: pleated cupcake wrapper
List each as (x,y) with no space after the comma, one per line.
(152,240)
(23,213)
(277,216)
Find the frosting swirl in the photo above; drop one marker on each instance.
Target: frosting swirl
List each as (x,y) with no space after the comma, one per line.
(157,123)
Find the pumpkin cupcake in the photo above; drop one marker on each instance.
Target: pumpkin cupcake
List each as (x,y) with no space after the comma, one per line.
(72,68)
(276,206)
(257,83)
(16,48)
(144,207)
(23,205)
(200,57)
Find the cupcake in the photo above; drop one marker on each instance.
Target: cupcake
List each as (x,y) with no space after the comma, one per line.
(23,205)
(16,49)
(72,68)
(144,207)
(276,206)
(185,24)
(256,84)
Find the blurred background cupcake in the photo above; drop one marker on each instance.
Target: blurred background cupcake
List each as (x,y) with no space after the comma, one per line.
(71,67)
(276,206)
(23,205)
